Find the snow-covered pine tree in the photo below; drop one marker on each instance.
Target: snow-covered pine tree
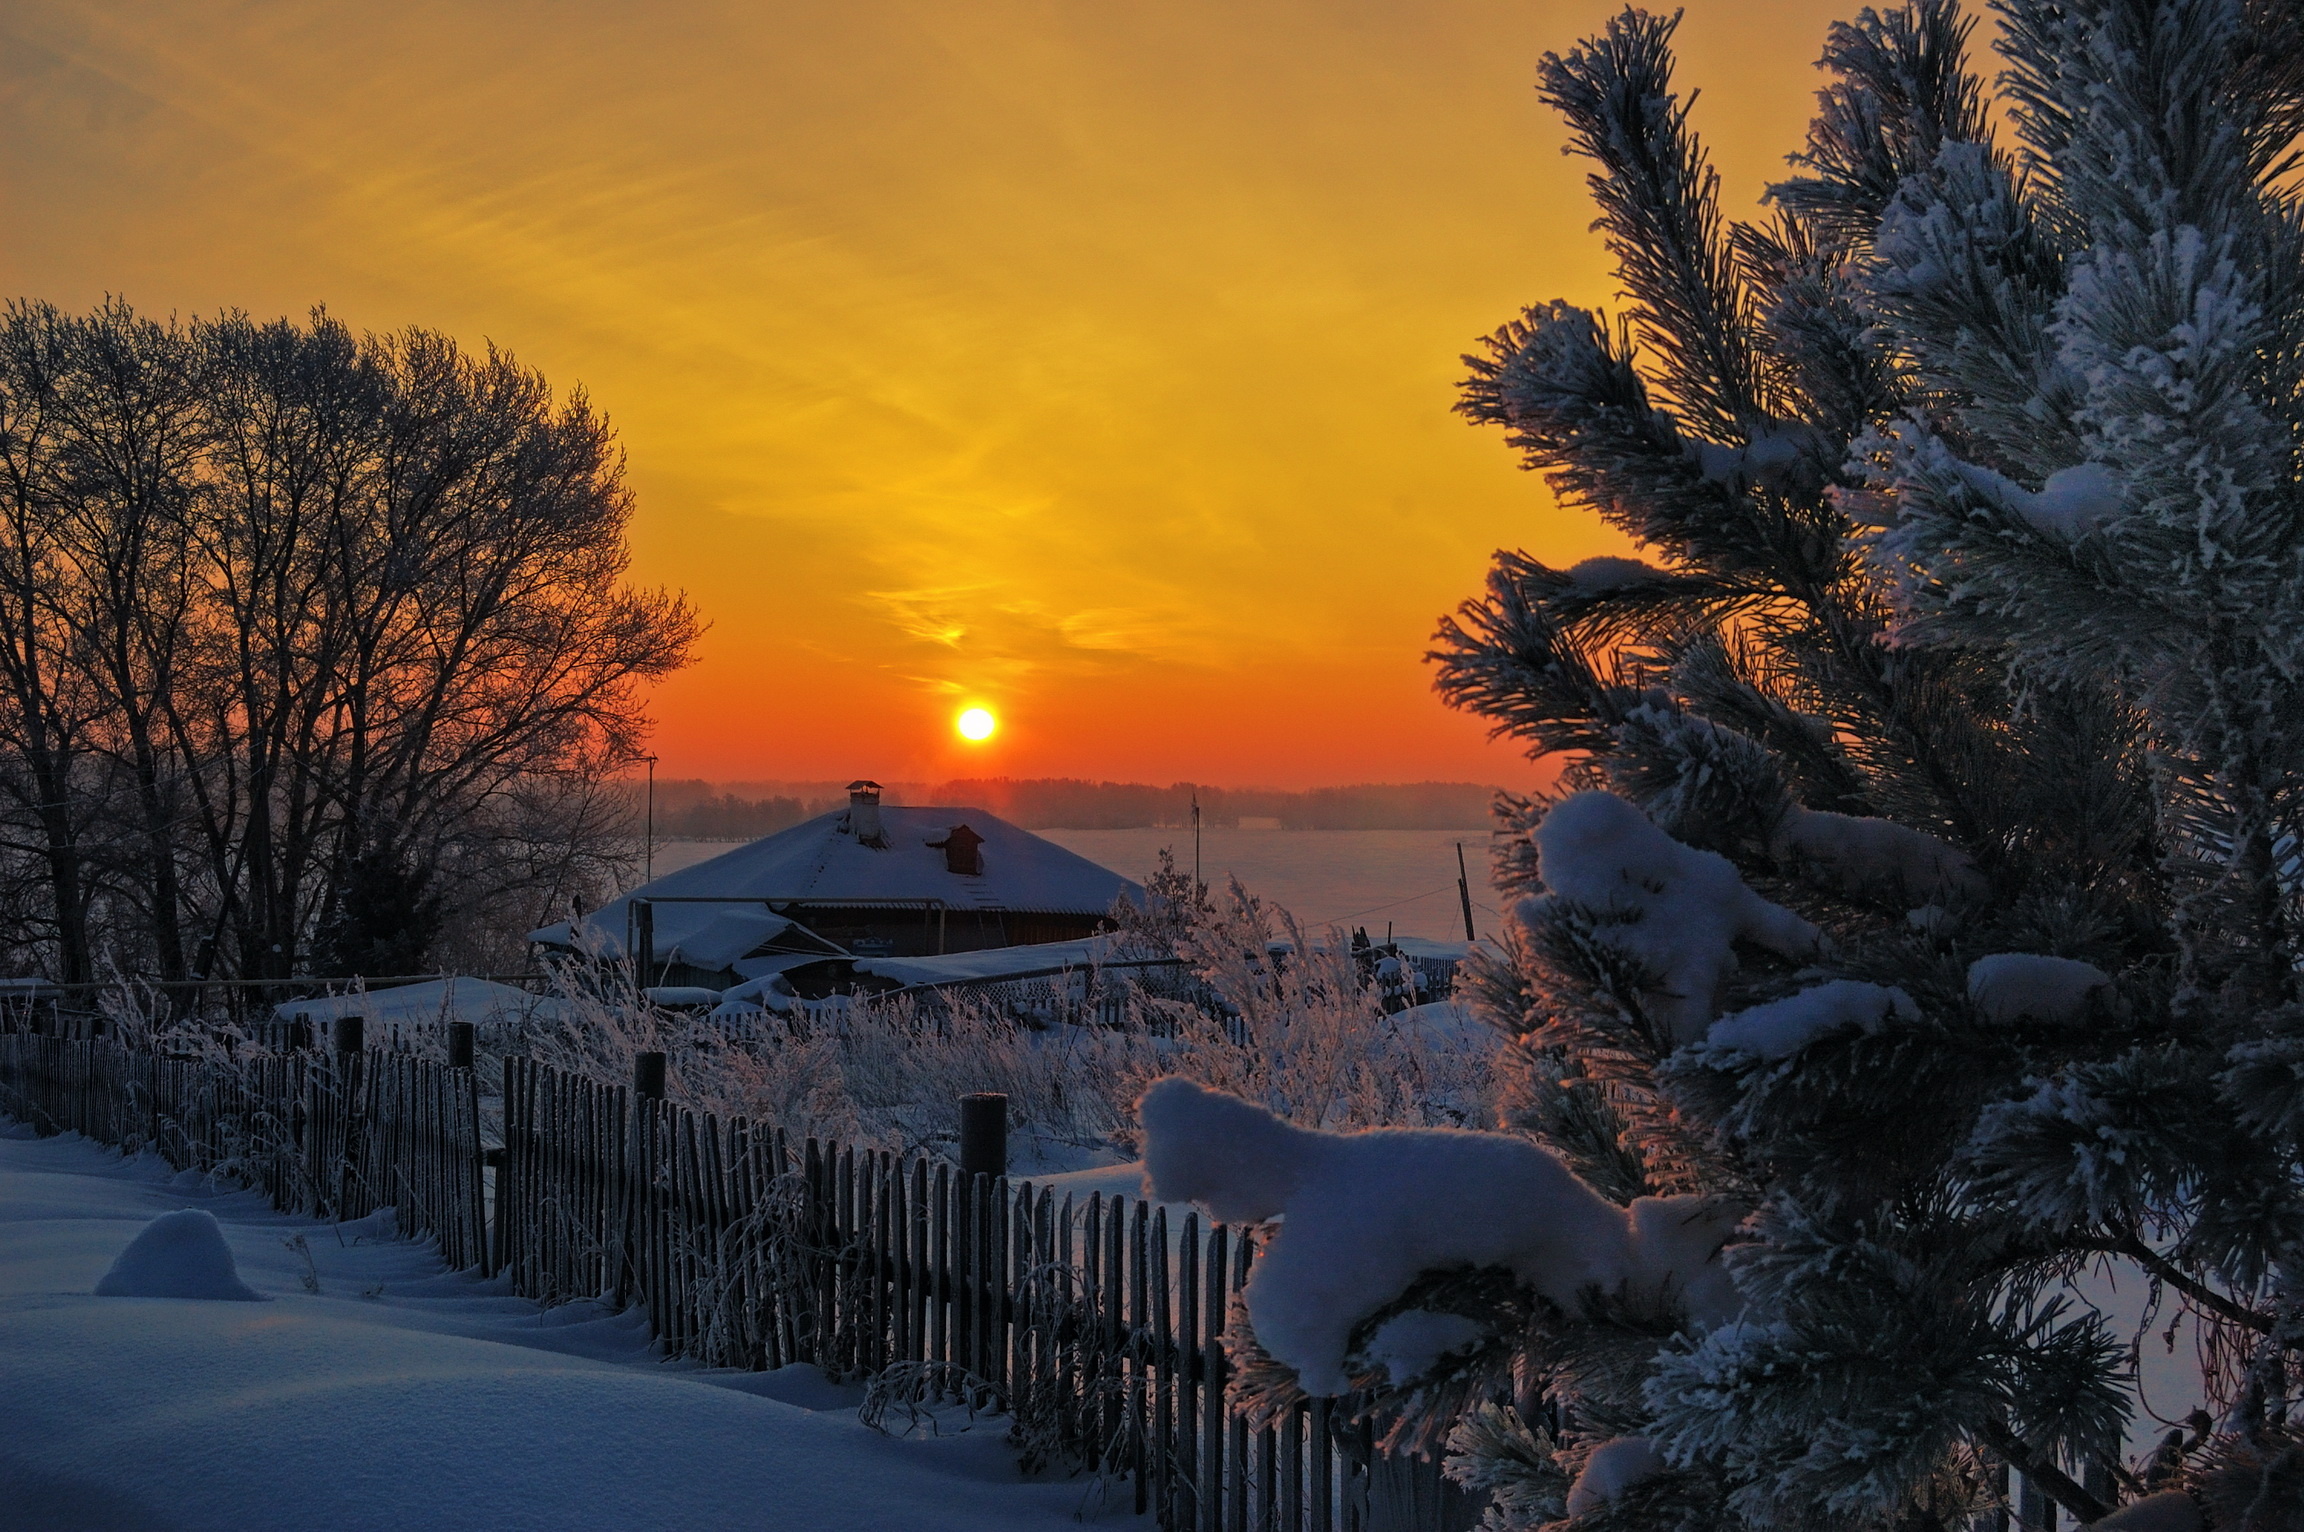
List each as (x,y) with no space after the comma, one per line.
(1920,915)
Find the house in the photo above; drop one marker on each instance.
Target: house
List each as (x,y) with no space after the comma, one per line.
(868,881)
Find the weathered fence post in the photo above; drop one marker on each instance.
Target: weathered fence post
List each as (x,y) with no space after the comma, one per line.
(984,1134)
(351,1035)
(648,1076)
(459,1045)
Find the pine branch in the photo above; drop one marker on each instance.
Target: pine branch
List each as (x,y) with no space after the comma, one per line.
(2191,1287)
(1659,200)
(2056,1484)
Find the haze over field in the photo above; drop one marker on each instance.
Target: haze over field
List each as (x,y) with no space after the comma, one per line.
(1089,362)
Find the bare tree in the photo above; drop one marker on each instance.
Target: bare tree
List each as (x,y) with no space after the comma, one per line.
(295,620)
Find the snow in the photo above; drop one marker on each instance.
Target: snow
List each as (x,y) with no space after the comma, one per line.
(1407,1344)
(992,962)
(1877,857)
(2172,1510)
(2074,500)
(455,998)
(820,862)
(2011,986)
(1687,907)
(1771,455)
(1781,1028)
(1366,1212)
(1671,1245)
(1613,1467)
(402,1395)
(178,1255)
(731,932)
(1606,574)
(2070,502)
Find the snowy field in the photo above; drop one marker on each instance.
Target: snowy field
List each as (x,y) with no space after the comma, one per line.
(369,1388)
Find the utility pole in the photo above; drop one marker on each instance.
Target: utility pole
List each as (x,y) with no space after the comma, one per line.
(1198,883)
(1464,892)
(648,842)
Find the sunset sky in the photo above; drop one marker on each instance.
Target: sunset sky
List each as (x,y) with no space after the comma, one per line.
(1087,361)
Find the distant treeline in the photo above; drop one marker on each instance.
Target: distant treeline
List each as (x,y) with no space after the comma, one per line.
(710,811)
(699,810)
(1063,803)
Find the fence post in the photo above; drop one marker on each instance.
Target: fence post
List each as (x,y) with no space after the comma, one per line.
(984,1134)
(349,1033)
(648,1076)
(459,1045)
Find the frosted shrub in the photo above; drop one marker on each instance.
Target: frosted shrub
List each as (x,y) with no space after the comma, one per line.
(1300,1031)
(1309,1038)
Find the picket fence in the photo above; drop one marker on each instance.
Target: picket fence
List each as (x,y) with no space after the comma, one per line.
(1095,1324)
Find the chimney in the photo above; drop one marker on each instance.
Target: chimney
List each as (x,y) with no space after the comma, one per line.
(963,851)
(864,814)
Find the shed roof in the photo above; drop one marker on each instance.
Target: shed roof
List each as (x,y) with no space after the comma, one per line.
(458,997)
(821,863)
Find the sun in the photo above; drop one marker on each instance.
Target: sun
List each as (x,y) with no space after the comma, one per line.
(976,723)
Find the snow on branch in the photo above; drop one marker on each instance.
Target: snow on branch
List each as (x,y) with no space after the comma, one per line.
(2015,986)
(1364,1214)
(1677,910)
(1783,1027)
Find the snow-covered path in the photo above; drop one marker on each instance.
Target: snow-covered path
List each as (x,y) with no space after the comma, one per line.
(404,1397)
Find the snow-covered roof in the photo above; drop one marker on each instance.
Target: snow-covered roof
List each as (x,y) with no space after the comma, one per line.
(822,863)
(990,963)
(457,998)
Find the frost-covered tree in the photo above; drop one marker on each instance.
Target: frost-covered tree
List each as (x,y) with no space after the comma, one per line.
(1918,924)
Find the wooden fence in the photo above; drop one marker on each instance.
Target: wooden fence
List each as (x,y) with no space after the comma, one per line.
(1095,1323)
(334,1134)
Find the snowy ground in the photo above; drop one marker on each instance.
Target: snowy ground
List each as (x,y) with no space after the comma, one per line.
(402,1396)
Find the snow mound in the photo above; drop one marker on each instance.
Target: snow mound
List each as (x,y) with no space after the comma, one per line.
(1367,1212)
(2010,986)
(1783,1027)
(377,1227)
(1682,910)
(178,1255)
(1614,1467)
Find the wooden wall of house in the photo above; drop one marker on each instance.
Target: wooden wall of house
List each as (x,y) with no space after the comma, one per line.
(915,933)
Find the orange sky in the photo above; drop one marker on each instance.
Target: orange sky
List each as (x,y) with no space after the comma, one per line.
(1085,359)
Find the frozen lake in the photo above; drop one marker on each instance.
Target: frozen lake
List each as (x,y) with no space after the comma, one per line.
(1326,877)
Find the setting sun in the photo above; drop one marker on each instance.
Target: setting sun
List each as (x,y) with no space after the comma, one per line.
(977,723)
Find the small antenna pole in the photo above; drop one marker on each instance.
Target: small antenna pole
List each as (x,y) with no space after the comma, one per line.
(1197,881)
(1464,892)
(648,844)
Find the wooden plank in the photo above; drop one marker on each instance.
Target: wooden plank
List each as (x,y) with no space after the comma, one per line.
(1212,1435)
(1068,1380)
(940,1268)
(1139,1329)
(1191,1369)
(1240,1479)
(1323,1467)
(1163,1464)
